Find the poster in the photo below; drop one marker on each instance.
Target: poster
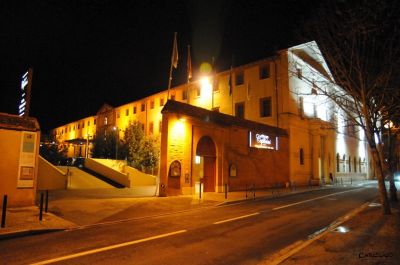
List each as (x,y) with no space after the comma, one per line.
(27,158)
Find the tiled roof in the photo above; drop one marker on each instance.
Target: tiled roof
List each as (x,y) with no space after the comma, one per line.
(15,122)
(218,118)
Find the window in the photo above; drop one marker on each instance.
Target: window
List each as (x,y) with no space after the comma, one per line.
(118,115)
(314,89)
(239,78)
(355,164)
(134,110)
(88,123)
(94,122)
(127,112)
(184,94)
(105,121)
(301,156)
(172,97)
(239,110)
(198,91)
(161,102)
(79,126)
(349,163)
(301,106)
(152,104)
(264,71)
(83,124)
(143,107)
(265,107)
(299,72)
(73,128)
(337,162)
(151,128)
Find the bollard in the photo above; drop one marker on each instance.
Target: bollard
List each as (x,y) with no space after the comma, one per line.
(226,191)
(41,207)
(46,205)
(200,190)
(4,211)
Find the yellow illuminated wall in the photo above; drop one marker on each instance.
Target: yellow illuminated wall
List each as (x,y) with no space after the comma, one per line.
(293,106)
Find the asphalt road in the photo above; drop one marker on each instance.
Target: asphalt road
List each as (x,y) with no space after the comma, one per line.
(240,233)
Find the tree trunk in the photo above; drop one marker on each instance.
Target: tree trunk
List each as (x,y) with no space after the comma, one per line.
(393,189)
(381,181)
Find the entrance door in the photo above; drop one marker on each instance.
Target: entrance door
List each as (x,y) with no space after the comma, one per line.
(206,150)
(209,174)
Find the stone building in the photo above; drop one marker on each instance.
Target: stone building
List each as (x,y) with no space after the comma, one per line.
(275,95)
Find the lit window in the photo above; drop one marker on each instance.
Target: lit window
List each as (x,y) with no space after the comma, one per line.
(264,71)
(197,160)
(239,79)
(265,107)
(239,110)
(105,121)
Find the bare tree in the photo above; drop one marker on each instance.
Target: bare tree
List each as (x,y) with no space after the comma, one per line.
(360,43)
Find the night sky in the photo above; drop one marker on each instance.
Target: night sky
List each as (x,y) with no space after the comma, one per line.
(86,53)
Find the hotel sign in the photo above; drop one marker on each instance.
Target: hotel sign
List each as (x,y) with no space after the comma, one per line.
(263,141)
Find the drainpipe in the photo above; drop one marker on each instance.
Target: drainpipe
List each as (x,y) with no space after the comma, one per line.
(276,92)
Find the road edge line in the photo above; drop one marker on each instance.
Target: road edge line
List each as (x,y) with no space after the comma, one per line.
(299,245)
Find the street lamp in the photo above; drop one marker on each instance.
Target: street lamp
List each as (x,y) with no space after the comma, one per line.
(116,142)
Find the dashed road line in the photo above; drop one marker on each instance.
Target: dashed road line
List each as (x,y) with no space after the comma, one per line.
(235,218)
(97,250)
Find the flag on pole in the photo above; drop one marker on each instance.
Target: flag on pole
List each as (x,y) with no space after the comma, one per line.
(174,58)
(189,65)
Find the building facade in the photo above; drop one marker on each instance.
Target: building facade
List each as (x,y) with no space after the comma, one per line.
(279,92)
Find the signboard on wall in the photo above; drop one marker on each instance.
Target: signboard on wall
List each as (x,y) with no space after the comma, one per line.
(27,159)
(263,141)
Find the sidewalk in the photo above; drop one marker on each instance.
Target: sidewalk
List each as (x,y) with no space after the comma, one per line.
(69,209)
(367,238)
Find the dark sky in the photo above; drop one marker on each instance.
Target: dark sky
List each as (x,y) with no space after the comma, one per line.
(86,53)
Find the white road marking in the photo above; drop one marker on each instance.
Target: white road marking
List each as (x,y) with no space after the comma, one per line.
(309,200)
(235,218)
(97,250)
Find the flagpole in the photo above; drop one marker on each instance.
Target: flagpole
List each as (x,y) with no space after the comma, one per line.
(172,63)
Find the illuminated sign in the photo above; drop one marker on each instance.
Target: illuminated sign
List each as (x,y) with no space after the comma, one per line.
(26,80)
(263,141)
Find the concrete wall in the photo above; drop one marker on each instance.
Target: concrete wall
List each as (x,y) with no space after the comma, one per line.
(108,172)
(10,146)
(50,177)
(138,178)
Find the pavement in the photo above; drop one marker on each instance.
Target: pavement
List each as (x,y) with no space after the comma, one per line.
(373,237)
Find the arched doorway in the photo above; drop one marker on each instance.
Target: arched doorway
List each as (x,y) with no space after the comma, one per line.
(206,150)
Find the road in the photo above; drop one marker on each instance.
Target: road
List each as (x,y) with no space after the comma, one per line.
(239,233)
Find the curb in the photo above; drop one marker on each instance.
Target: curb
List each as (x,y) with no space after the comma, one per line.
(23,233)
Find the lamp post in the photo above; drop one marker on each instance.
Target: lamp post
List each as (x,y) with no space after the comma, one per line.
(116,141)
